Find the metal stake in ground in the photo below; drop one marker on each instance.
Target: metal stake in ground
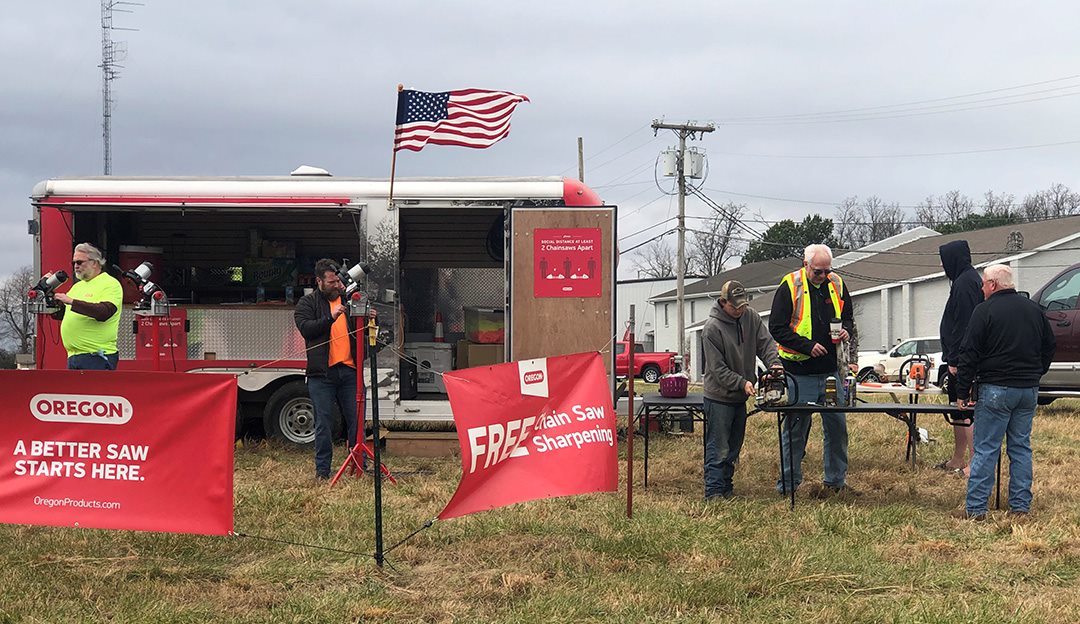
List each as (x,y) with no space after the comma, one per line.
(629,417)
(373,331)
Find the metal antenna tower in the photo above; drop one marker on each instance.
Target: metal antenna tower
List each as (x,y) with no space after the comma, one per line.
(112,52)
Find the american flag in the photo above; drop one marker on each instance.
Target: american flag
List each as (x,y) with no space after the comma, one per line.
(466,117)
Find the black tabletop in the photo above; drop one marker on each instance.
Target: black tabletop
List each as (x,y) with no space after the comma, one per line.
(871,408)
(655,399)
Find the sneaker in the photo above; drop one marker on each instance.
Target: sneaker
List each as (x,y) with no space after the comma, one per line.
(319,476)
(963,514)
(722,496)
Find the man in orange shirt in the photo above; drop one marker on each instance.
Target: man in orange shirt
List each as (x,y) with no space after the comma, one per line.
(324,323)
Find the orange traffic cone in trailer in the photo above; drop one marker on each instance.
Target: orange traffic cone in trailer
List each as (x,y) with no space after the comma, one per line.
(438,327)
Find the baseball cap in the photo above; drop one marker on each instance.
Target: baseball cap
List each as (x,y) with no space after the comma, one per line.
(733,292)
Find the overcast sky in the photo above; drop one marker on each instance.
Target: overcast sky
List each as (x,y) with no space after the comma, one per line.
(257,88)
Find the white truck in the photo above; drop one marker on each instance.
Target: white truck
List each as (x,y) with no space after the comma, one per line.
(234,253)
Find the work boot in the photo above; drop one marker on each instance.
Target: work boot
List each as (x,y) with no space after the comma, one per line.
(963,514)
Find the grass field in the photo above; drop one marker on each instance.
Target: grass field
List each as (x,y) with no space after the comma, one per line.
(891,555)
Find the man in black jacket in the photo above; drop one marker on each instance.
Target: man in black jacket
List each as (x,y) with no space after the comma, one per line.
(964,294)
(1008,347)
(322,319)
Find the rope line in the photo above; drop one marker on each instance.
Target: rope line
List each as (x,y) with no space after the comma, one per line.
(303,545)
(426,525)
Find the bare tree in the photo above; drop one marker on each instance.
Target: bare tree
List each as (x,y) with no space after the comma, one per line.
(998,205)
(849,224)
(955,206)
(1056,201)
(928,212)
(712,244)
(1061,201)
(1035,207)
(16,325)
(882,220)
(858,224)
(657,259)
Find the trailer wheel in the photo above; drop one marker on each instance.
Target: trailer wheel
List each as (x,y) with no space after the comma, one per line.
(290,415)
(651,373)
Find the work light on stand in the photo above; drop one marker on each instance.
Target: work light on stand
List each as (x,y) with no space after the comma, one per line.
(154,301)
(41,298)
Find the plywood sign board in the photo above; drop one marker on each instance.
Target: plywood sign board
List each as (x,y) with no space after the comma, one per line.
(562,282)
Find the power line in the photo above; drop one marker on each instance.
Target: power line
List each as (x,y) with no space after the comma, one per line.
(624,154)
(641,207)
(632,133)
(914,155)
(738,222)
(898,116)
(646,242)
(929,101)
(614,182)
(600,186)
(655,225)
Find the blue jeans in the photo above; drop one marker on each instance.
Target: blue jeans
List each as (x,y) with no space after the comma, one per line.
(93,361)
(834,451)
(337,388)
(725,429)
(1001,411)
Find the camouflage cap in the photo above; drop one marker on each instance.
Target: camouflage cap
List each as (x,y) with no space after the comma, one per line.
(733,292)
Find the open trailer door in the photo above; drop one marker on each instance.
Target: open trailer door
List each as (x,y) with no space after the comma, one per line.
(562,282)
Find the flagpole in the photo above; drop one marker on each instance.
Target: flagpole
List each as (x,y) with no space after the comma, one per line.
(393,158)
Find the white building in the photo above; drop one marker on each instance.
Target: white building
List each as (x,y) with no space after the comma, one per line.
(638,292)
(759,278)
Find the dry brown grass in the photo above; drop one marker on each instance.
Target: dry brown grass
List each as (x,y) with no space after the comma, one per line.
(891,555)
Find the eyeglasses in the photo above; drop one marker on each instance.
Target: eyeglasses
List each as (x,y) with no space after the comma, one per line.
(78,262)
(820,272)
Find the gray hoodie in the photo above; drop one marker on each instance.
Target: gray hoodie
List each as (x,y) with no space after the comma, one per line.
(730,346)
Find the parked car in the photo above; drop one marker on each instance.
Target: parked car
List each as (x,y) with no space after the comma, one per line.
(884,366)
(1059,298)
(648,366)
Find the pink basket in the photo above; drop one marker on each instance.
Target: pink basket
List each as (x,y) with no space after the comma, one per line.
(673,386)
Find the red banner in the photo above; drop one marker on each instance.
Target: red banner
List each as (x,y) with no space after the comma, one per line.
(566,262)
(532,429)
(118,450)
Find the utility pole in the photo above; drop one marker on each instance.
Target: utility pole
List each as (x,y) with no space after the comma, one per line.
(580,161)
(683,131)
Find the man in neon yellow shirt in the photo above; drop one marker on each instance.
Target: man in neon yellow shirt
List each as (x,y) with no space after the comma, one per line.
(91,314)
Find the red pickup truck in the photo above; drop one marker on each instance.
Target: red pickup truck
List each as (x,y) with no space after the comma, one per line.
(648,366)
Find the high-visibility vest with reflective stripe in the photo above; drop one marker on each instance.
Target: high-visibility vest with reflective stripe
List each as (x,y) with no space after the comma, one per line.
(801,323)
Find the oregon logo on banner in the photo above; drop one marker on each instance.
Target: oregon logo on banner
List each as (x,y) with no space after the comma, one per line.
(118,450)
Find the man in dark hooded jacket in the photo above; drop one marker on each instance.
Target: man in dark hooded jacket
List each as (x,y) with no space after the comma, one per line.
(964,294)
